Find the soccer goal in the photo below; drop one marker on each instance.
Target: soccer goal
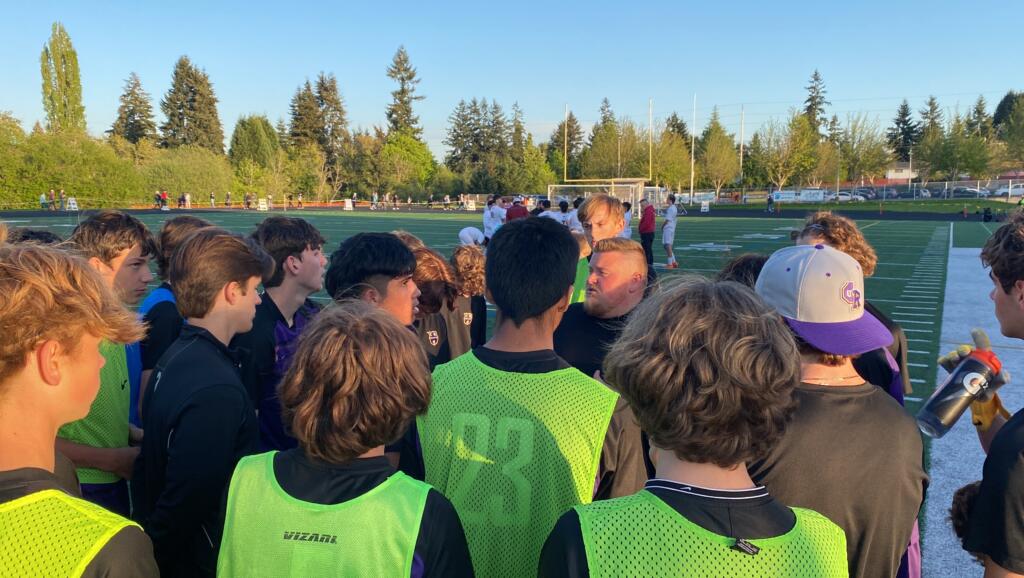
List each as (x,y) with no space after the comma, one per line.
(631,190)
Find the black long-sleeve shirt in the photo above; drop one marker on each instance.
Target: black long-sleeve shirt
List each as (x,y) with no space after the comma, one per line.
(199,423)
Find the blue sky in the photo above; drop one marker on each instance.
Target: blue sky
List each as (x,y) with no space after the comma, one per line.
(543,55)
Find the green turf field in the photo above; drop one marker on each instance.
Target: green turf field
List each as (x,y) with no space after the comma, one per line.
(942,206)
(908,283)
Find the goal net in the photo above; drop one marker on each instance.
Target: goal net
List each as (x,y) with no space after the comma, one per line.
(631,190)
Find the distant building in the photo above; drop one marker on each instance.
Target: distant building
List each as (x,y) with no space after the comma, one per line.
(900,171)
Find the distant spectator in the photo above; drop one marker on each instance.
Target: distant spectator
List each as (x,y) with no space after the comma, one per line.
(516,211)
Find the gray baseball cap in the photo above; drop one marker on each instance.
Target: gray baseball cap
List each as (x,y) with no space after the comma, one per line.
(819,291)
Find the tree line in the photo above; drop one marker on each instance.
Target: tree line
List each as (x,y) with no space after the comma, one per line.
(316,151)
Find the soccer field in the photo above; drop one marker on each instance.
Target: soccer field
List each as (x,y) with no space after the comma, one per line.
(908,283)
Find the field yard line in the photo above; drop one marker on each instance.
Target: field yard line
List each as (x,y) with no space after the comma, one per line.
(870,225)
(912,321)
(951,235)
(918,365)
(986,228)
(918,351)
(901,313)
(917,330)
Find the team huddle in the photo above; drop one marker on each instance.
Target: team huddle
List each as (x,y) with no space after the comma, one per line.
(613,423)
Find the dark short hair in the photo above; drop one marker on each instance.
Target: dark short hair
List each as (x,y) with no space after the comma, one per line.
(627,205)
(363,256)
(172,235)
(107,233)
(210,259)
(285,237)
(38,236)
(743,269)
(1004,252)
(545,203)
(531,263)
(671,197)
(577,202)
(357,381)
(708,370)
(563,206)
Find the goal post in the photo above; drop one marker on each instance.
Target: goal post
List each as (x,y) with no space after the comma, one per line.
(631,190)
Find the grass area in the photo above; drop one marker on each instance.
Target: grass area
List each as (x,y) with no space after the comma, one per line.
(950,206)
(972,234)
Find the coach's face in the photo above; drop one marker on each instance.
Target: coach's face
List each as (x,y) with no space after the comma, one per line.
(615,285)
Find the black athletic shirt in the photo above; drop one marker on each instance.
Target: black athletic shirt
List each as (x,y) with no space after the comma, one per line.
(163,325)
(127,554)
(747,514)
(441,548)
(852,454)
(583,340)
(996,523)
(199,422)
(622,470)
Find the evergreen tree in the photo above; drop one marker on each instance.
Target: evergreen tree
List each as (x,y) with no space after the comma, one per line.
(931,116)
(814,104)
(135,113)
(835,131)
(904,133)
(678,126)
(307,123)
(399,112)
(496,132)
(571,131)
(191,110)
(459,138)
(334,131)
(1013,132)
(62,85)
(1004,108)
(606,122)
(253,140)
(519,135)
(283,137)
(978,122)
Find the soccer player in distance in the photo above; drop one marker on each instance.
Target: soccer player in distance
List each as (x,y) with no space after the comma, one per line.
(832,450)
(495,439)
(56,311)
(199,418)
(377,268)
(668,230)
(103,443)
(334,505)
(710,372)
(283,313)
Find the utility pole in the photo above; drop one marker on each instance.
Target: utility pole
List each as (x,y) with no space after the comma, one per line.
(693,144)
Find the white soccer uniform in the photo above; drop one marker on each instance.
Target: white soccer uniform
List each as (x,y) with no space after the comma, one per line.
(471,236)
(556,215)
(627,230)
(668,232)
(573,222)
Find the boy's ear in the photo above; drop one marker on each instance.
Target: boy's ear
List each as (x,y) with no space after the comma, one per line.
(371,295)
(232,292)
(45,357)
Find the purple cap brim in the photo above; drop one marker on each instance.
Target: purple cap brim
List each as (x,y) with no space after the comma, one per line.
(844,338)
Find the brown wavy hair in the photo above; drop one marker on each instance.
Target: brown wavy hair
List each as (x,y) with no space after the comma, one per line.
(357,381)
(106,234)
(1004,252)
(470,265)
(208,260)
(842,234)
(435,279)
(48,293)
(172,235)
(708,369)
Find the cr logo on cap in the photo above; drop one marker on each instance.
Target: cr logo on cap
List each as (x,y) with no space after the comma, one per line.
(851,295)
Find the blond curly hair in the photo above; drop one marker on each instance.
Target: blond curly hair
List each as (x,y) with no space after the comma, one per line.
(842,234)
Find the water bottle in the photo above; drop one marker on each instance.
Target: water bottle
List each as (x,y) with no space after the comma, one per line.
(965,384)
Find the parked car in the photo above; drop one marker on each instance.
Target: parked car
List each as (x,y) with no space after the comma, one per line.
(886,193)
(923,193)
(849,197)
(864,192)
(970,192)
(1016,190)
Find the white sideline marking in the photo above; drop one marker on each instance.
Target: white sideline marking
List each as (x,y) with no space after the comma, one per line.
(918,365)
(919,352)
(912,399)
(912,321)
